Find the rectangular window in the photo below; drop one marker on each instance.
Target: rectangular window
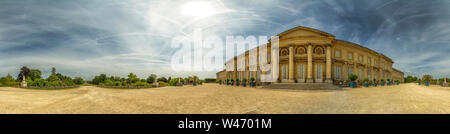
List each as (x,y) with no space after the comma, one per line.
(375,75)
(258,75)
(300,70)
(318,71)
(369,74)
(368,61)
(350,71)
(251,75)
(360,72)
(375,63)
(350,56)
(337,54)
(284,71)
(337,73)
(361,58)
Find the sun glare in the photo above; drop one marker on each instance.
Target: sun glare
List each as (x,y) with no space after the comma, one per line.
(198,9)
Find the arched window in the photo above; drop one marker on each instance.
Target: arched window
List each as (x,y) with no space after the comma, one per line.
(284,52)
(300,50)
(318,50)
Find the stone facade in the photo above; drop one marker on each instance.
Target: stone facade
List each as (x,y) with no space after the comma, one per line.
(308,55)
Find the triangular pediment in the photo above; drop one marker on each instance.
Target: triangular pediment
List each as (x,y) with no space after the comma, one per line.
(304,32)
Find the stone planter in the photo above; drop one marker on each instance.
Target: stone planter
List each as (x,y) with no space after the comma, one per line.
(353,84)
(382,84)
(194,83)
(244,84)
(427,84)
(253,84)
(366,85)
(374,85)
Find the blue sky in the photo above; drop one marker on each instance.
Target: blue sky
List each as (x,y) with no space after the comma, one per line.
(88,37)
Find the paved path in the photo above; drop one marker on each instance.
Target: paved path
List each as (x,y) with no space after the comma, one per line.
(212,98)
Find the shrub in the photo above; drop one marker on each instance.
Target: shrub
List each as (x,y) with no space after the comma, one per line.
(427,78)
(353,77)
(366,80)
(163,84)
(174,81)
(38,83)
(139,83)
(78,81)
(210,80)
(117,83)
(108,83)
(252,79)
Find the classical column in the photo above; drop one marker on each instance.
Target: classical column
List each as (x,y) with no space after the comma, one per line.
(345,70)
(275,64)
(328,66)
(309,78)
(291,63)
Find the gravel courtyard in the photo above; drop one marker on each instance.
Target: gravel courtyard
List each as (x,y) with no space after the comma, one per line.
(218,99)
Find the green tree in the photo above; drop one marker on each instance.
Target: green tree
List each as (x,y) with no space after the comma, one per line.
(163,79)
(427,78)
(132,78)
(35,74)
(78,81)
(53,71)
(24,71)
(53,78)
(151,78)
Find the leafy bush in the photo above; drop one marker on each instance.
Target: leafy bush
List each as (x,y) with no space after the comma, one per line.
(139,83)
(78,81)
(38,83)
(427,78)
(163,84)
(366,80)
(353,77)
(210,80)
(174,81)
(117,83)
(108,83)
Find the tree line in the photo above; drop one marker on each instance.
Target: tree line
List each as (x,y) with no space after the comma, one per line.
(34,79)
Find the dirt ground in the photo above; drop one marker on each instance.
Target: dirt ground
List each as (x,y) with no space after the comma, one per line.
(218,99)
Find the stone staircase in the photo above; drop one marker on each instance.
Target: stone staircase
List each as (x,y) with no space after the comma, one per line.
(303,86)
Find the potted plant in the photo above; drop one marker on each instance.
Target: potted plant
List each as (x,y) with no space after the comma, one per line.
(427,79)
(237,82)
(252,82)
(382,82)
(420,82)
(244,82)
(352,78)
(366,82)
(388,82)
(397,82)
(220,82)
(374,83)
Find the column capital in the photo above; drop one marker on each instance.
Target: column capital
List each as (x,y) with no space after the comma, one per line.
(328,45)
(309,44)
(291,45)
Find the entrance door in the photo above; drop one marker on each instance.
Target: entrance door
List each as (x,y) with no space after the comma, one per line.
(284,72)
(319,73)
(301,73)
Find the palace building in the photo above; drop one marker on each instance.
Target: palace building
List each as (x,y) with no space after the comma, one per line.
(308,55)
